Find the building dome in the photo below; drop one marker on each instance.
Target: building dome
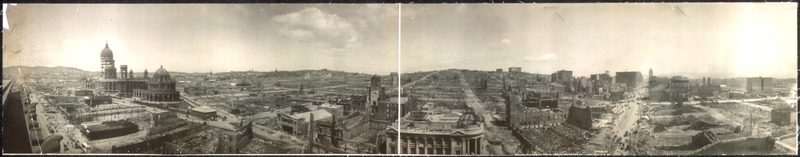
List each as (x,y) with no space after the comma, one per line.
(161,75)
(106,52)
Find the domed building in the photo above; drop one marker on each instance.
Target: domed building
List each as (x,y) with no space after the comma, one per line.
(160,89)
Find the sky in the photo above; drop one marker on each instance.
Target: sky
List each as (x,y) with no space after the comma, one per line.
(687,39)
(693,40)
(205,37)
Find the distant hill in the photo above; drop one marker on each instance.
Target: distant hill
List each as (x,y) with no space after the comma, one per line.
(42,69)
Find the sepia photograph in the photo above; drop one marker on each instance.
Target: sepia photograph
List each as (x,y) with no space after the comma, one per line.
(599,79)
(620,79)
(198,78)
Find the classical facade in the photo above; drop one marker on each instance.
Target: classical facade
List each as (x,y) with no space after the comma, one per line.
(159,89)
(424,132)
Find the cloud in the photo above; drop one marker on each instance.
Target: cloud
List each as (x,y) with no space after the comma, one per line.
(542,58)
(327,31)
(505,41)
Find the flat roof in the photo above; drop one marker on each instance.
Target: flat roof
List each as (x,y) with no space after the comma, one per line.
(204,109)
(318,115)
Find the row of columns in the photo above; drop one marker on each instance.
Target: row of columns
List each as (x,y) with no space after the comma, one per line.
(126,89)
(162,86)
(109,85)
(434,145)
(157,97)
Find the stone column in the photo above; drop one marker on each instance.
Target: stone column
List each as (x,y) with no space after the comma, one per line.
(408,145)
(434,146)
(452,149)
(388,145)
(464,146)
(424,146)
(416,145)
(478,146)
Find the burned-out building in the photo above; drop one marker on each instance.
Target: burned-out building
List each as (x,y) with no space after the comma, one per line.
(299,123)
(231,142)
(679,90)
(378,108)
(335,131)
(783,115)
(538,110)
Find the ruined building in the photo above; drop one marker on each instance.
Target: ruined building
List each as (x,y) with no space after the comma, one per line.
(160,89)
(538,112)
(230,142)
(678,90)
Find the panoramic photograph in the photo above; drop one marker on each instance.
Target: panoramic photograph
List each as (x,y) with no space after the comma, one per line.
(602,79)
(400,79)
(198,78)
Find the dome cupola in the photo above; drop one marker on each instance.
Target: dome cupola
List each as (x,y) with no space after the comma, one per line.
(161,75)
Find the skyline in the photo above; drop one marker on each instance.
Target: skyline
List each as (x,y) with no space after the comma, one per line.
(709,40)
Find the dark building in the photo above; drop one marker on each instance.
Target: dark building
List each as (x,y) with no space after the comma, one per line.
(394,79)
(580,117)
(108,129)
(515,69)
(561,76)
(783,115)
(97,100)
(629,78)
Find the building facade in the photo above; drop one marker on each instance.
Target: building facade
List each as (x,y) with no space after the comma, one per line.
(423,132)
(759,85)
(159,89)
